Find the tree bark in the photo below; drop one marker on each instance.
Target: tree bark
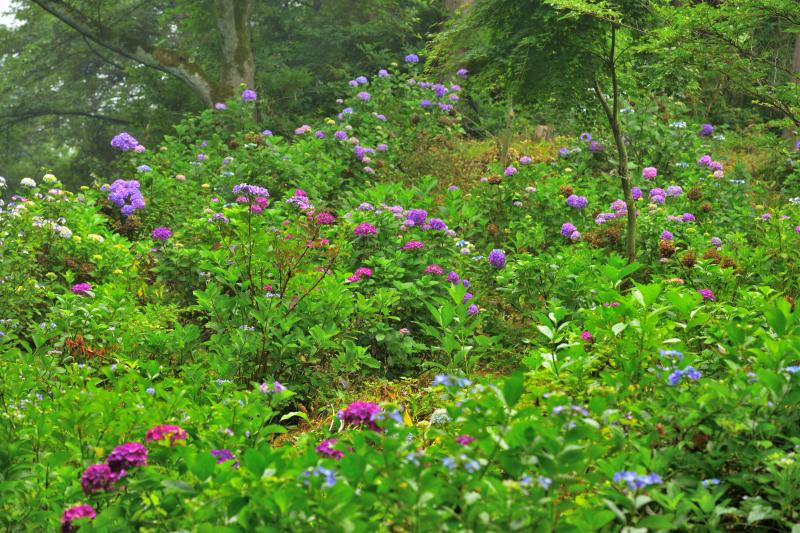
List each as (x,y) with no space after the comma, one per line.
(505,140)
(238,66)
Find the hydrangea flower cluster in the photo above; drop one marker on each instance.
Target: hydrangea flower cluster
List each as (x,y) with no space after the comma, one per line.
(159,433)
(636,481)
(649,173)
(497,258)
(81,288)
(161,234)
(577,202)
(75,513)
(677,375)
(365,229)
(124,141)
(361,414)
(359,273)
(99,477)
(126,194)
(570,231)
(326,449)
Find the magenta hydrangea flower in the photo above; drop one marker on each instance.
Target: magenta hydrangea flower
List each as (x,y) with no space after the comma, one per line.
(128,455)
(75,513)
(364,229)
(587,336)
(361,414)
(413,245)
(99,477)
(497,258)
(434,269)
(704,161)
(162,234)
(326,449)
(465,440)
(249,95)
(707,294)
(325,218)
(649,173)
(158,433)
(81,288)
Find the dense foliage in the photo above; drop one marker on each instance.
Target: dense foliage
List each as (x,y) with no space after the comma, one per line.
(180,346)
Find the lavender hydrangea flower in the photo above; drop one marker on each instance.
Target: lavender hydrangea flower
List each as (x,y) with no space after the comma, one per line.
(363,95)
(124,141)
(417,216)
(567,229)
(577,202)
(412,58)
(497,258)
(706,130)
(249,95)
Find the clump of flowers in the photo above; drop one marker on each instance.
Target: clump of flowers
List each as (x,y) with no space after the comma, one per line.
(434,269)
(689,372)
(99,477)
(326,449)
(325,218)
(649,173)
(364,229)
(162,233)
(636,481)
(126,194)
(361,414)
(416,216)
(124,141)
(75,513)
(578,202)
(223,456)
(706,130)
(359,273)
(128,455)
(81,288)
(707,294)
(249,95)
(413,245)
(175,434)
(465,440)
(497,258)
(570,231)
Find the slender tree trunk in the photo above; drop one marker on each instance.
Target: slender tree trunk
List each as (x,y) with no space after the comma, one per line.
(789,132)
(619,141)
(505,139)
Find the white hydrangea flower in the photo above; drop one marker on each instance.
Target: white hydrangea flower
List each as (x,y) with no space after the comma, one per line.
(27,182)
(2,182)
(49,178)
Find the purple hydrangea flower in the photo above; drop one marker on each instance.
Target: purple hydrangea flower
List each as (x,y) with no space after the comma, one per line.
(578,202)
(326,449)
(162,234)
(706,130)
(361,414)
(75,513)
(567,229)
(412,58)
(417,216)
(124,142)
(99,477)
(497,258)
(249,95)
(363,95)
(128,455)
(649,173)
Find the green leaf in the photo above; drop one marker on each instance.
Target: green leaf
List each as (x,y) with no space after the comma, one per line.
(513,388)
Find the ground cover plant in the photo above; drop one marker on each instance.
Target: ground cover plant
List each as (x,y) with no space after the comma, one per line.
(377,322)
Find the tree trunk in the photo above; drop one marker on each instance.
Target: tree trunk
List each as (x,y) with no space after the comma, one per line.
(505,140)
(238,66)
(622,154)
(789,132)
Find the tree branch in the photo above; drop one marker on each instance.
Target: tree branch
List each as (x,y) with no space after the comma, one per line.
(167,61)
